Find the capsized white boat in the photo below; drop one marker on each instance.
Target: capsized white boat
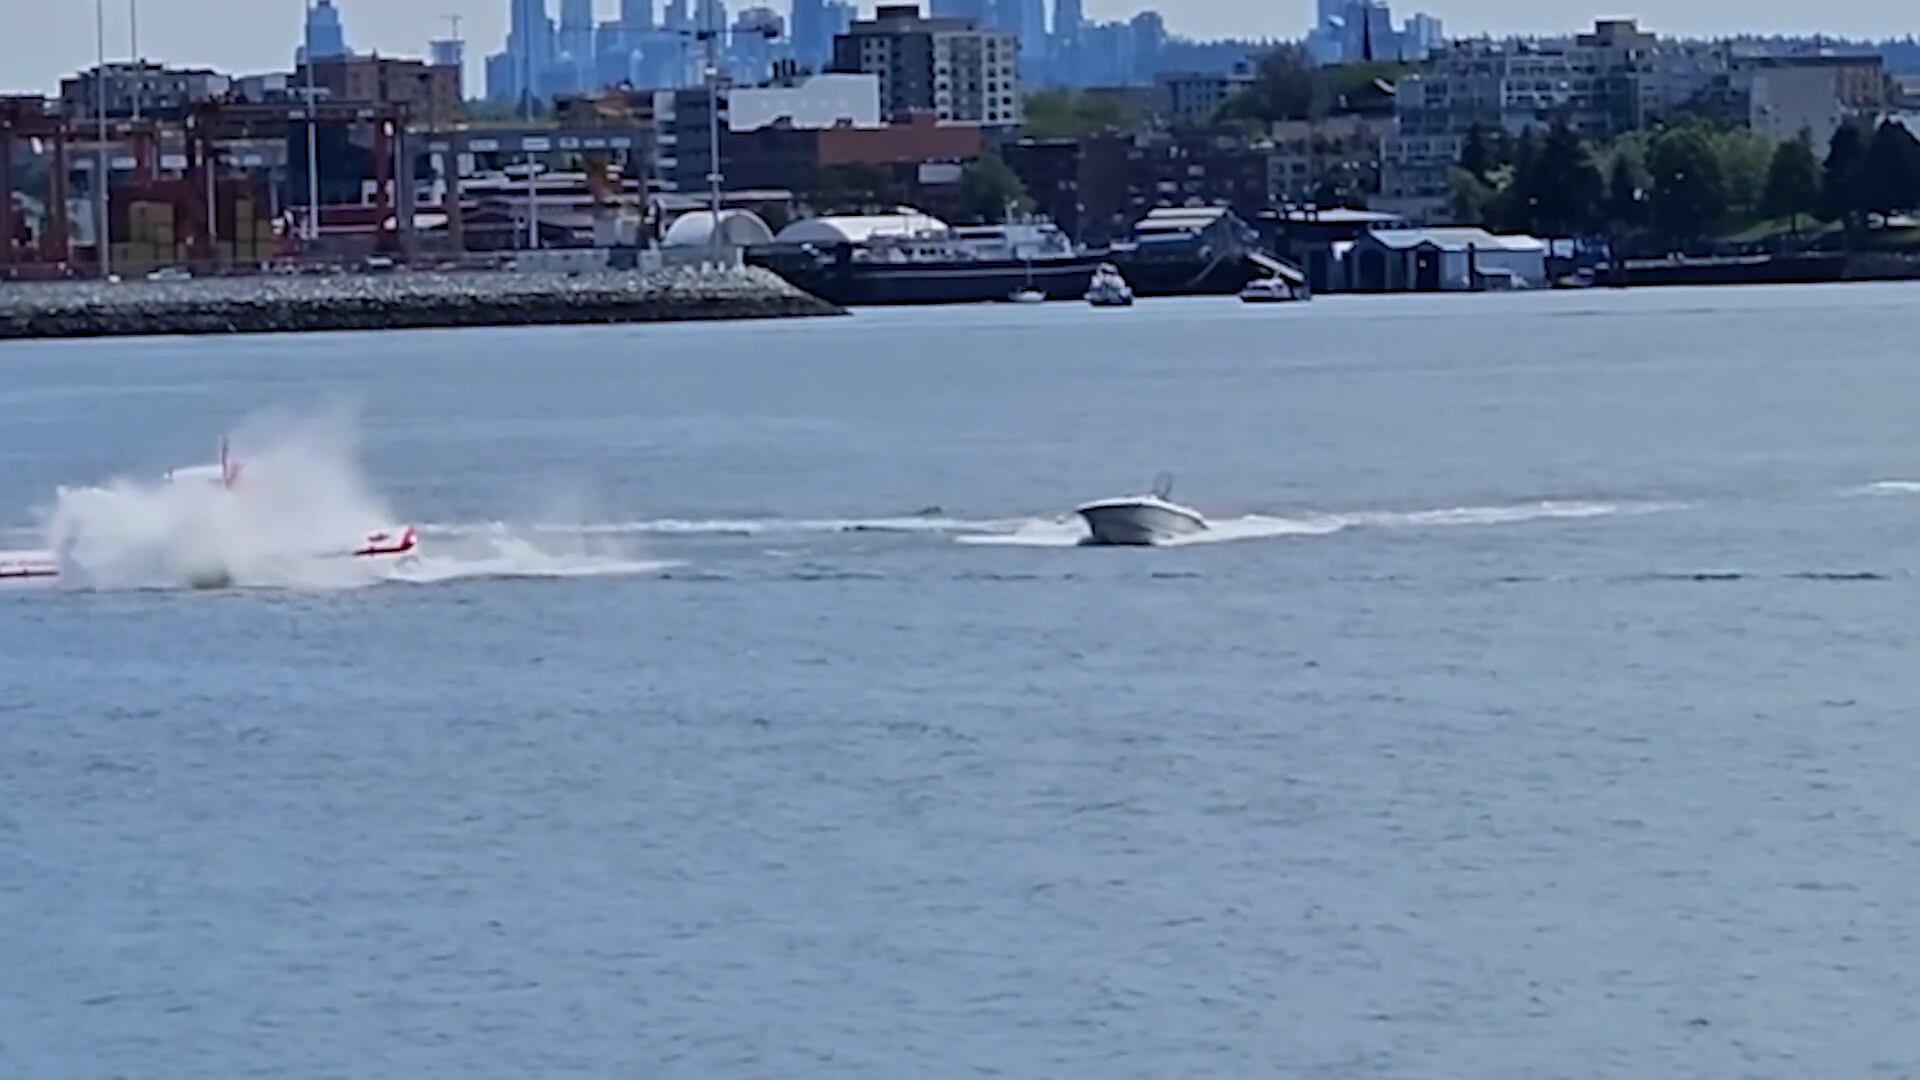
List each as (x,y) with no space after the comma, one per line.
(1141,520)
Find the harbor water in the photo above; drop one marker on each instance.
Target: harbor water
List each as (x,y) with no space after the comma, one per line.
(1541,704)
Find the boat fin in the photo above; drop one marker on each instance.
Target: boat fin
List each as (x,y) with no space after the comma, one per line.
(1163,486)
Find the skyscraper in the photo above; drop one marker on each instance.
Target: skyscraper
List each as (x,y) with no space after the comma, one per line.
(636,16)
(677,16)
(576,41)
(1068,18)
(751,54)
(576,27)
(1149,38)
(325,36)
(1069,21)
(982,12)
(530,44)
(1035,43)
(812,42)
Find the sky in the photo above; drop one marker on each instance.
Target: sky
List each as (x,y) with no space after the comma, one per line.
(41,40)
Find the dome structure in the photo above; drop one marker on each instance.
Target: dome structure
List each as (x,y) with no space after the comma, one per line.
(738,228)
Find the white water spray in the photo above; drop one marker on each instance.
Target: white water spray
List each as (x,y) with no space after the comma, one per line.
(299,507)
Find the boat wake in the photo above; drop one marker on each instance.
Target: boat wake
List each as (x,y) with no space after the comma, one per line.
(734,527)
(1064,531)
(1887,489)
(1070,532)
(504,552)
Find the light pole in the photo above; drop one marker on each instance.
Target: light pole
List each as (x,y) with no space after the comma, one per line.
(104,229)
(713,131)
(313,130)
(526,96)
(133,46)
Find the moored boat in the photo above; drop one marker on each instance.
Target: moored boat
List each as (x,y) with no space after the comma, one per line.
(1109,288)
(911,258)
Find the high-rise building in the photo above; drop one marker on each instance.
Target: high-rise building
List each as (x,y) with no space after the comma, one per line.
(523,71)
(840,16)
(1149,39)
(576,43)
(636,16)
(576,27)
(812,42)
(980,11)
(677,17)
(1423,35)
(751,53)
(1069,22)
(1068,18)
(1035,43)
(450,53)
(326,37)
(949,68)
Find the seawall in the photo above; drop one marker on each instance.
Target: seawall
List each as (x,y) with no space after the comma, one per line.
(399,300)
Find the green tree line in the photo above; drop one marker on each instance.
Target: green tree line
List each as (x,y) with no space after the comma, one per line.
(1684,183)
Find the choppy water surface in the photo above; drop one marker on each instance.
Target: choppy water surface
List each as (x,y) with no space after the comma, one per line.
(1544,706)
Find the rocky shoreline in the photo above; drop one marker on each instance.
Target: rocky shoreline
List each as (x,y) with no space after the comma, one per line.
(400,300)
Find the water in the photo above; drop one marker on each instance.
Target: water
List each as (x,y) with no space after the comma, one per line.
(1545,711)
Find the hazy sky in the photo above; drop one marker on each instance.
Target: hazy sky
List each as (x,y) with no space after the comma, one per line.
(44,39)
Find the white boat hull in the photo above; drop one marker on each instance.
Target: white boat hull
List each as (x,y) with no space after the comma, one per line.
(1139,522)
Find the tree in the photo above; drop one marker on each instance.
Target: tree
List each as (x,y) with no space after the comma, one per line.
(1793,181)
(1283,88)
(1472,198)
(1626,194)
(1519,196)
(989,189)
(1689,196)
(1892,181)
(1344,88)
(1064,114)
(1744,161)
(1842,182)
(1476,156)
(856,188)
(1565,187)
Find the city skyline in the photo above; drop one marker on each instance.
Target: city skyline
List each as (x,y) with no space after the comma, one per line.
(259,35)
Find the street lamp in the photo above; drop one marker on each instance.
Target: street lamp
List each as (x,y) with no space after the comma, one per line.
(313,131)
(715,176)
(103,233)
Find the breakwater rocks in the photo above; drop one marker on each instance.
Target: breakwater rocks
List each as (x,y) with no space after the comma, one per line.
(399,300)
